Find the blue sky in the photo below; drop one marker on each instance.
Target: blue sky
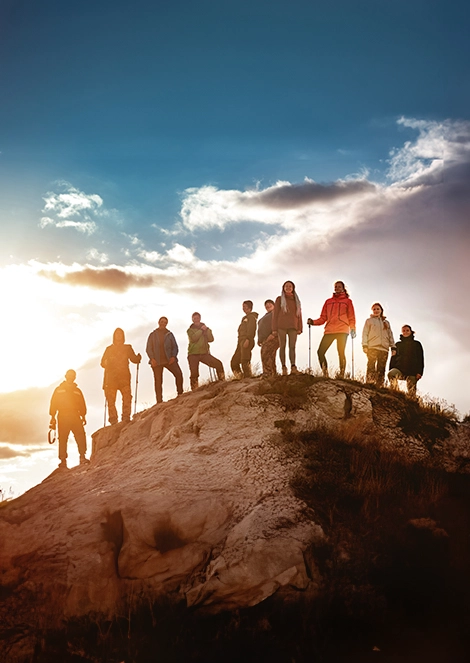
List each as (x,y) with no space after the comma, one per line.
(202,153)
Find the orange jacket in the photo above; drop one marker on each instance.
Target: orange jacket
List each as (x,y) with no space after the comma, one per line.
(338,313)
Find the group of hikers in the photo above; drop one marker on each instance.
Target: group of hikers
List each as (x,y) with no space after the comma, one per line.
(277,330)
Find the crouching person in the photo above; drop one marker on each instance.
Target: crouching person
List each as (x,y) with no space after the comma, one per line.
(408,362)
(241,360)
(200,336)
(68,401)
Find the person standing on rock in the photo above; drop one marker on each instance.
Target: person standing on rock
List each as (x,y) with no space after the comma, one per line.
(69,405)
(240,362)
(287,323)
(338,314)
(268,341)
(377,339)
(200,336)
(408,362)
(117,376)
(162,350)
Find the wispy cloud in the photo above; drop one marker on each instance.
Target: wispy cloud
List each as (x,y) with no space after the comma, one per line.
(72,208)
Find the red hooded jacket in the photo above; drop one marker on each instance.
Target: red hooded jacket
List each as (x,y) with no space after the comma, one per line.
(338,313)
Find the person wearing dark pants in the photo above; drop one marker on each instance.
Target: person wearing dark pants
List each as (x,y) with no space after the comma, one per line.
(338,314)
(287,323)
(268,341)
(117,376)
(69,404)
(377,339)
(408,362)
(162,351)
(200,336)
(240,362)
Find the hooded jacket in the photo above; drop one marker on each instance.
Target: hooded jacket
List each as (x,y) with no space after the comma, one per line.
(338,313)
(199,340)
(115,361)
(377,334)
(247,327)
(170,346)
(409,358)
(67,399)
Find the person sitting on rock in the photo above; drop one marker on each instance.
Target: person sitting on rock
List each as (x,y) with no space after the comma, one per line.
(117,376)
(68,401)
(408,362)
(162,351)
(268,341)
(200,336)
(246,342)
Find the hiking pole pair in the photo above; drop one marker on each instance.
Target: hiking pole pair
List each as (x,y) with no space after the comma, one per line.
(309,347)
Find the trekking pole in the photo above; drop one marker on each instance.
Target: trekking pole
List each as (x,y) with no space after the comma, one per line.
(352,357)
(309,348)
(136,386)
(105,408)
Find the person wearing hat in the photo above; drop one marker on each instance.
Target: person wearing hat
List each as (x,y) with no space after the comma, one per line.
(69,405)
(408,362)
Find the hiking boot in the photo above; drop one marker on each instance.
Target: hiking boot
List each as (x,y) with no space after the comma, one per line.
(126,420)
(83,460)
(325,372)
(62,465)
(294,370)
(284,370)
(221,376)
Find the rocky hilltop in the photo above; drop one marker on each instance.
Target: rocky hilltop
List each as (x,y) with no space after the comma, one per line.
(232,495)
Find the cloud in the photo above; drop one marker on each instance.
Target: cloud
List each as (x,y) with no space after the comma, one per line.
(283,204)
(24,416)
(72,208)
(7,452)
(109,278)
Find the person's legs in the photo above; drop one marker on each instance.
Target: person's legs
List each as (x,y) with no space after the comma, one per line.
(325,343)
(411,384)
(282,335)
(341,345)
(213,362)
(268,356)
(110,395)
(371,375)
(176,370)
(158,381)
(235,361)
(394,375)
(292,333)
(78,431)
(63,430)
(246,359)
(193,361)
(381,364)
(126,394)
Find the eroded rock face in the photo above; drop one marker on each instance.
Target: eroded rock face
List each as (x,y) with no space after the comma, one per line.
(192,499)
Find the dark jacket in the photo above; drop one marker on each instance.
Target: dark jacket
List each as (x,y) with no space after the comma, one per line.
(115,362)
(247,327)
(409,358)
(169,344)
(67,400)
(265,326)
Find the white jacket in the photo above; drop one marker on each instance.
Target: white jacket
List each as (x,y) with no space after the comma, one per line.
(377,334)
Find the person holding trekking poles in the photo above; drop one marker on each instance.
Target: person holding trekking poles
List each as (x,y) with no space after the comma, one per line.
(117,376)
(338,314)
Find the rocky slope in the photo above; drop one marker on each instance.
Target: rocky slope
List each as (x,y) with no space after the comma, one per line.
(196,501)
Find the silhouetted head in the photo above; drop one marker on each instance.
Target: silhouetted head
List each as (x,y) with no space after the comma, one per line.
(162,323)
(118,336)
(196,318)
(70,375)
(247,306)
